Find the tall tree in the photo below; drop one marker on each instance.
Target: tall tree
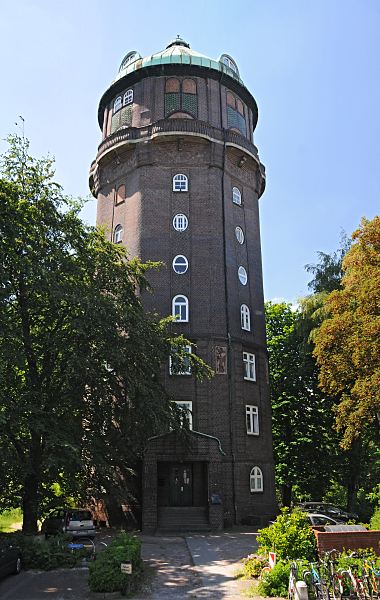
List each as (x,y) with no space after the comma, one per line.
(348,341)
(79,359)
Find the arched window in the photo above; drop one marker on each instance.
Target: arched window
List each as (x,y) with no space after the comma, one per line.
(236,195)
(180,264)
(239,235)
(245,317)
(180,309)
(180,183)
(235,114)
(120,194)
(128,97)
(256,480)
(181,97)
(180,222)
(118,234)
(229,62)
(242,274)
(117,104)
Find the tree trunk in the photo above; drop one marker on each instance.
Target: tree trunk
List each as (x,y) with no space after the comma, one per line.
(287,495)
(354,459)
(30,505)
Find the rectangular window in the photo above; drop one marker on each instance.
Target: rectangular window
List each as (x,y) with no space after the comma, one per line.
(252,419)
(183,367)
(249,366)
(187,408)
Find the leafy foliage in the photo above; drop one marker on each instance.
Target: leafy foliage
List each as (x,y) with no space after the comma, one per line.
(290,536)
(375,519)
(348,341)
(253,565)
(105,573)
(275,582)
(80,360)
(36,553)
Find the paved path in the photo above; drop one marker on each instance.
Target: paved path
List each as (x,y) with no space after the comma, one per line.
(178,568)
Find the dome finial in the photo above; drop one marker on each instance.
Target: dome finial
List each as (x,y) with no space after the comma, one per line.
(178,42)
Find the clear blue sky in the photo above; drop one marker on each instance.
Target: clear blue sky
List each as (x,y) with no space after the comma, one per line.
(313,67)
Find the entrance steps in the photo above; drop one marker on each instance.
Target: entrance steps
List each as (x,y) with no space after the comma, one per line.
(183,518)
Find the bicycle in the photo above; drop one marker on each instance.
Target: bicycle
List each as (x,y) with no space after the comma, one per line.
(315,583)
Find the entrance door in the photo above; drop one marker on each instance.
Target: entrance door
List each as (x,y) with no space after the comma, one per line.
(181,485)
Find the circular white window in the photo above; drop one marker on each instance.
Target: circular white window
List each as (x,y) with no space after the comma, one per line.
(239,235)
(243,277)
(180,222)
(180,264)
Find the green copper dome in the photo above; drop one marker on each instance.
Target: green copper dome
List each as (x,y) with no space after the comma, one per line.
(177,51)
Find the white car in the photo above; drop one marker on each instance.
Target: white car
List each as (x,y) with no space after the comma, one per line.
(318,519)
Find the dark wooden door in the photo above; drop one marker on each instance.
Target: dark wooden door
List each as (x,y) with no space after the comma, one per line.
(181,485)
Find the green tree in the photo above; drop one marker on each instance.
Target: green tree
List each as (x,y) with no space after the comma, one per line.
(305,446)
(79,359)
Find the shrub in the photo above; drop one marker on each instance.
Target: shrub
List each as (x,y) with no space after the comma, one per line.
(276,581)
(40,554)
(105,574)
(290,536)
(375,519)
(253,565)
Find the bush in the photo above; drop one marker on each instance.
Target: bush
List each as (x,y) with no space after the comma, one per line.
(105,574)
(253,565)
(276,581)
(45,555)
(375,519)
(290,536)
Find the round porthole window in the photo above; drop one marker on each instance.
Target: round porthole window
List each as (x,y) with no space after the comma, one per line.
(239,235)
(180,264)
(180,222)
(243,277)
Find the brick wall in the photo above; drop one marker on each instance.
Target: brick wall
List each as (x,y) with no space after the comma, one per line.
(350,540)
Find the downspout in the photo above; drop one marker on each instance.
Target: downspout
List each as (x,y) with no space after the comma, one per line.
(229,348)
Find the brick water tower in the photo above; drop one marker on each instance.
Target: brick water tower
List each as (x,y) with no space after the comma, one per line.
(178,179)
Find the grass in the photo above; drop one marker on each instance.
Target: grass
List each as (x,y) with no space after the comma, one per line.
(10,520)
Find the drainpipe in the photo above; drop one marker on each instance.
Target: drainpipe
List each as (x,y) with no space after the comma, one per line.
(229,347)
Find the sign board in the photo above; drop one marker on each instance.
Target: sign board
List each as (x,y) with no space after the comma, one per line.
(272,559)
(126,567)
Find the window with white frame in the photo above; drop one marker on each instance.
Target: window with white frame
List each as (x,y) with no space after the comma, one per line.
(180,308)
(117,104)
(118,234)
(256,480)
(242,274)
(183,366)
(252,419)
(187,408)
(249,364)
(128,97)
(180,264)
(236,195)
(180,222)
(239,235)
(180,183)
(245,317)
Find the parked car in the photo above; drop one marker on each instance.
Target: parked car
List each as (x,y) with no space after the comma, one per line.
(324,508)
(10,560)
(77,522)
(322,520)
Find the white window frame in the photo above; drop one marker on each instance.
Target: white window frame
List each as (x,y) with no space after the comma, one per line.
(242,274)
(185,304)
(239,233)
(230,64)
(182,261)
(256,480)
(236,195)
(118,234)
(187,407)
(180,222)
(249,365)
(180,183)
(128,97)
(188,349)
(252,419)
(118,103)
(245,317)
